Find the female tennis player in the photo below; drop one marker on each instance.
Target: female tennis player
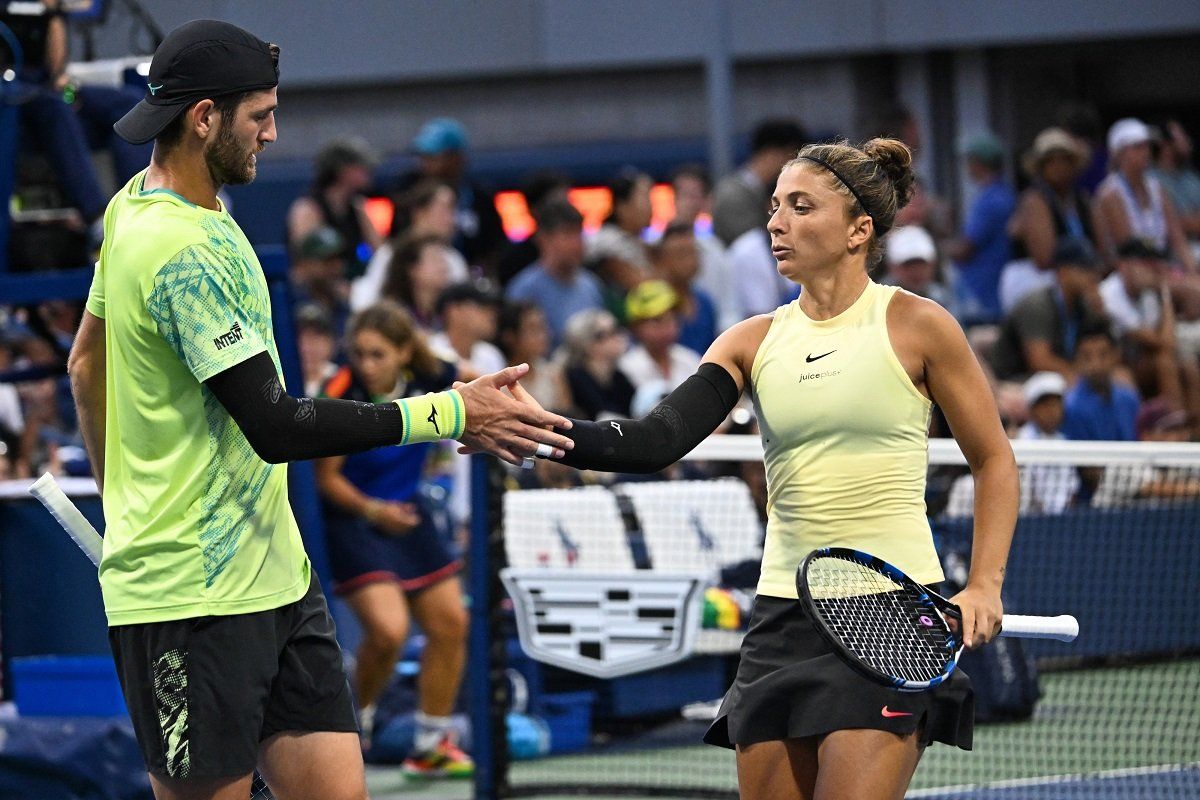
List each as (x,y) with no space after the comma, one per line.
(843,380)
(389,553)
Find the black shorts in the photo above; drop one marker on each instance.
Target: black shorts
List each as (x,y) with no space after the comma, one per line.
(360,553)
(204,692)
(791,684)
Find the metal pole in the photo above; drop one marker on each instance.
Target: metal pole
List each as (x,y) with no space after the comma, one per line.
(718,89)
(479,641)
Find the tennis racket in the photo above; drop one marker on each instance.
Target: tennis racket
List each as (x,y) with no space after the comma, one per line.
(890,628)
(51,495)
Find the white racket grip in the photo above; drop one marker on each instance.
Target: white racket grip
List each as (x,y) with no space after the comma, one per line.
(1063,628)
(47,490)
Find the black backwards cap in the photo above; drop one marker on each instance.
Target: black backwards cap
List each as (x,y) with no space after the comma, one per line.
(204,58)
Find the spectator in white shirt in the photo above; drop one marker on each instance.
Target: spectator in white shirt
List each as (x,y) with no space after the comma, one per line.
(760,287)
(1137,298)
(1046,488)
(469,314)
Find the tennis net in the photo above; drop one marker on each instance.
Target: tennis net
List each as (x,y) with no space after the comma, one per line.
(1107,532)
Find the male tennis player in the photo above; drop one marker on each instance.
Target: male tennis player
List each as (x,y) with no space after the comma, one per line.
(222,639)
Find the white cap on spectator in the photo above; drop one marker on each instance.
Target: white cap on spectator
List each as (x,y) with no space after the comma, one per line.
(1043,384)
(909,243)
(1127,132)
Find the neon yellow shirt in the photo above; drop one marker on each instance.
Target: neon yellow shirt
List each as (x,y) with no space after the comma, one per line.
(845,439)
(196,523)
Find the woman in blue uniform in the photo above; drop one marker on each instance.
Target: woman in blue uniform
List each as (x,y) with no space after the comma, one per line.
(390,556)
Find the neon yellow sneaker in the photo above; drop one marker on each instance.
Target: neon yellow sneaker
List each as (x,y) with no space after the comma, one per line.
(444,761)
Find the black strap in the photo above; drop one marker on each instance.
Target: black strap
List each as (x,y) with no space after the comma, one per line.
(672,429)
(284,428)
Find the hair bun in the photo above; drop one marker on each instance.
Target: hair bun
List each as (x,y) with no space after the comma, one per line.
(895,159)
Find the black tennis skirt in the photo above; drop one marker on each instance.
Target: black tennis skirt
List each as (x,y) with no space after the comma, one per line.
(791,684)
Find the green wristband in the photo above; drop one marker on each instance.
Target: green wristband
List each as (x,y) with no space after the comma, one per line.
(436,416)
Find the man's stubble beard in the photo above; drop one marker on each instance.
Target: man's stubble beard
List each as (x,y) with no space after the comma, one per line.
(228,162)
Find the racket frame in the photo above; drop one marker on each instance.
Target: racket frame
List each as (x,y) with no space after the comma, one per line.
(937,604)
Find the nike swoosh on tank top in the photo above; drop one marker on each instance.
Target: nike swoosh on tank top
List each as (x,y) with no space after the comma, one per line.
(846,442)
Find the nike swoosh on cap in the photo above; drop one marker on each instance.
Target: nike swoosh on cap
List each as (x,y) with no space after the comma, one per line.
(885,712)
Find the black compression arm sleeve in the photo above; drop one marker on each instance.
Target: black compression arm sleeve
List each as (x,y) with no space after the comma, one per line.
(284,428)
(676,425)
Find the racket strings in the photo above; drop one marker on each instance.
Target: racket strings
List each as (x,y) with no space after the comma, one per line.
(889,627)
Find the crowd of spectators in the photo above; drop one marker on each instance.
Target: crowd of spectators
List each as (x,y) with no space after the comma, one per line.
(1053,271)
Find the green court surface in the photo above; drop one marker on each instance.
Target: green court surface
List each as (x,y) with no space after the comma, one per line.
(1108,720)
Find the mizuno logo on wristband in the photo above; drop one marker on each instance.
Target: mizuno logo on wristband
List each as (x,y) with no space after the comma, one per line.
(432,418)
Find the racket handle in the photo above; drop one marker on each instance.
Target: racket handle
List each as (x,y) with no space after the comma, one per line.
(1064,627)
(47,490)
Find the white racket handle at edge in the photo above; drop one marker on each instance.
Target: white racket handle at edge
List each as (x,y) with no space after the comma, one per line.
(47,490)
(1063,628)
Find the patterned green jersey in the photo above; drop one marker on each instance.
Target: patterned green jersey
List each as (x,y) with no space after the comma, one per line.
(196,523)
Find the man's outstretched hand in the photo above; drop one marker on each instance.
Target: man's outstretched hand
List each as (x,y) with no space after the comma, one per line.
(499,424)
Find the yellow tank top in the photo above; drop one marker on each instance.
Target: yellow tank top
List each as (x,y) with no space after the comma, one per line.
(845,434)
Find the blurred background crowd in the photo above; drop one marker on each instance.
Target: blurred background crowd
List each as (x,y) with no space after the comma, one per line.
(1070,257)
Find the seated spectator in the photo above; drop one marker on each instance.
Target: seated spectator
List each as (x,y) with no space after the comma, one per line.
(469,314)
(524,338)
(982,249)
(1132,204)
(441,148)
(50,441)
(557,282)
(760,287)
(12,418)
(416,277)
(1098,408)
(318,276)
(539,188)
(1175,171)
(692,186)
(593,345)
(1135,297)
(740,198)
(63,120)
(1046,488)
(317,345)
(677,261)
(1043,330)
(617,252)
(657,363)
(427,209)
(912,265)
(1051,211)
(343,174)
(1157,421)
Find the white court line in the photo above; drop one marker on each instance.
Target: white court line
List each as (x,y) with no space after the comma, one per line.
(1053,779)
